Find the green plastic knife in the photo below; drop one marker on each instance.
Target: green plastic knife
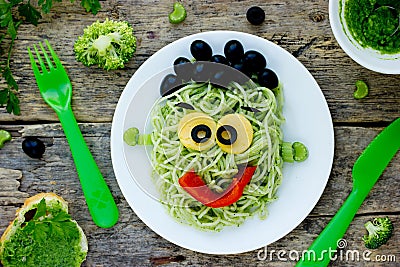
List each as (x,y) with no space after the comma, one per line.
(366,171)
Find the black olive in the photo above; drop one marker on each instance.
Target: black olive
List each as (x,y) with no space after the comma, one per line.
(200,50)
(201,133)
(232,134)
(169,85)
(183,69)
(242,68)
(233,51)
(201,71)
(178,62)
(255,15)
(219,59)
(254,61)
(219,77)
(181,60)
(33,147)
(268,78)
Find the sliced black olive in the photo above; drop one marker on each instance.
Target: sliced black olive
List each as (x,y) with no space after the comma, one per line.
(201,133)
(268,78)
(185,105)
(233,51)
(254,61)
(33,147)
(232,133)
(255,15)
(219,59)
(169,85)
(200,50)
(255,110)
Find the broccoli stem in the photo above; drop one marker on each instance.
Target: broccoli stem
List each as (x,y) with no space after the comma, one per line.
(371,228)
(104,42)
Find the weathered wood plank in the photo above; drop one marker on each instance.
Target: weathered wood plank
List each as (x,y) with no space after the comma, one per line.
(131,243)
(301,27)
(9,184)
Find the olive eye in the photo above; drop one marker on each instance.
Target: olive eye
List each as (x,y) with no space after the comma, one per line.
(197,131)
(201,133)
(234,133)
(226,135)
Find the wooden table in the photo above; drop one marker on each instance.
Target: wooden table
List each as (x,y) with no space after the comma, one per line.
(301,27)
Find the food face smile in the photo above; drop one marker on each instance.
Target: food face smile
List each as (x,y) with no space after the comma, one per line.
(216,152)
(233,133)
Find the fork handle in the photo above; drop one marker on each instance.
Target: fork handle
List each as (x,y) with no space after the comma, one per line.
(98,197)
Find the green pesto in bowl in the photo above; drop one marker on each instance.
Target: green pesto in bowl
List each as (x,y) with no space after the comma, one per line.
(374,23)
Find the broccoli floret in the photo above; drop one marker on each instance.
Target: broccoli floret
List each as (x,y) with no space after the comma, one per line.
(379,232)
(109,44)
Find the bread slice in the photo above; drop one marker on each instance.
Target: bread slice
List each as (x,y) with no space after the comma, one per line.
(26,213)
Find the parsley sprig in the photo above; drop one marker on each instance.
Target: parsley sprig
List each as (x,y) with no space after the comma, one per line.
(42,226)
(12,14)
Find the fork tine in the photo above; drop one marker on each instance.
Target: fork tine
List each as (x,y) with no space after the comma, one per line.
(40,59)
(33,62)
(53,54)
(46,56)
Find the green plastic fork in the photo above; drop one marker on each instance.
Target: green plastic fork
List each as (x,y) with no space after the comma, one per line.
(56,89)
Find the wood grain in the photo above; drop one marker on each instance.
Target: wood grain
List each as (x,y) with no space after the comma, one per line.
(132,243)
(300,27)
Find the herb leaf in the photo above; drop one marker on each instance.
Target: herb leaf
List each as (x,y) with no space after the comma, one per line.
(47,5)
(5,13)
(7,74)
(30,13)
(40,231)
(3,96)
(9,23)
(11,30)
(13,104)
(41,209)
(62,217)
(91,5)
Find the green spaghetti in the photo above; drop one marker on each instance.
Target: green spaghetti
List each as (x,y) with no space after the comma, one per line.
(171,159)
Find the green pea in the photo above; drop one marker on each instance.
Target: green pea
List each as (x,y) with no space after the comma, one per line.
(131,136)
(178,14)
(4,137)
(361,90)
(300,151)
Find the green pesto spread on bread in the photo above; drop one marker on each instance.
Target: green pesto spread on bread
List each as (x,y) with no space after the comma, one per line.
(43,234)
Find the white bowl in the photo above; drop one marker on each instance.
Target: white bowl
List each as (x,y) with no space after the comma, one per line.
(366,57)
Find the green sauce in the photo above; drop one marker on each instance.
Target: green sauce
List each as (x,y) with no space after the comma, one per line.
(374,23)
(43,243)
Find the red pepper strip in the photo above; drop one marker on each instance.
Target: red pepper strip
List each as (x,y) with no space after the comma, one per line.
(195,186)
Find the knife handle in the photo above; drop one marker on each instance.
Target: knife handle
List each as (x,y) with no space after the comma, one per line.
(323,248)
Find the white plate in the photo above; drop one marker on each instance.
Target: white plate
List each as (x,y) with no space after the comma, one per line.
(307,120)
(366,57)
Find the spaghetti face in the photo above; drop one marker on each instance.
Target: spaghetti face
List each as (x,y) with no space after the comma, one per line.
(171,159)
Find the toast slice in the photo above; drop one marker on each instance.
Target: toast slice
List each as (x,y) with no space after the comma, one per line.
(43,234)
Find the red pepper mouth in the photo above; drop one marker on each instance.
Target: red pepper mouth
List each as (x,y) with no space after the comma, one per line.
(198,189)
